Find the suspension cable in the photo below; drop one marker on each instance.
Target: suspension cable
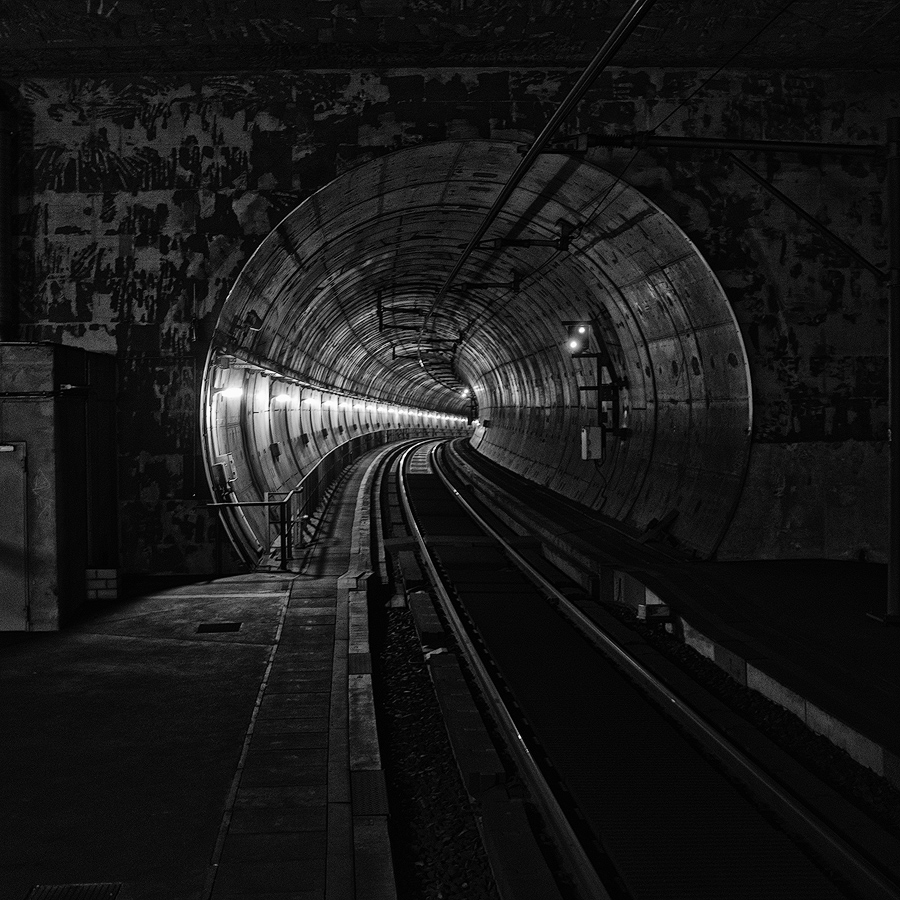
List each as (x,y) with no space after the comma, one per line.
(604,55)
(600,206)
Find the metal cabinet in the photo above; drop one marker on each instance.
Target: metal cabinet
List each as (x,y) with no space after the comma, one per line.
(57,480)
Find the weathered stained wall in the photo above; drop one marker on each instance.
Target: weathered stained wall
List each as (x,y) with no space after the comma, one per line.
(142,198)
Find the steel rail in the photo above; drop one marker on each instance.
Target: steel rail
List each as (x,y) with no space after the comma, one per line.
(852,863)
(576,862)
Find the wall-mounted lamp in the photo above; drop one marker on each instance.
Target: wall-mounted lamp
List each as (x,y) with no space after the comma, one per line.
(230,392)
(579,337)
(281,398)
(608,387)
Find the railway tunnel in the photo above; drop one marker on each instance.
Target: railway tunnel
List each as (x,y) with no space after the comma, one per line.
(332,331)
(371,528)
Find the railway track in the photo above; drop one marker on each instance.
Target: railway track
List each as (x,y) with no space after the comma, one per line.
(642,797)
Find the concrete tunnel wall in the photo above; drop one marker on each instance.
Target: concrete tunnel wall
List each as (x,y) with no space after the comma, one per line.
(270,433)
(141,198)
(384,237)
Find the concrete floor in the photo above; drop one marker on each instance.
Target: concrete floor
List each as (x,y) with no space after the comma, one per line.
(122,736)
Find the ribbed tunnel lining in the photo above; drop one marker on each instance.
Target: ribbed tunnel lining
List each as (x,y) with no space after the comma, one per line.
(342,285)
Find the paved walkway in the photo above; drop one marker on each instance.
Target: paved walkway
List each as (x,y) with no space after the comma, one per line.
(203,765)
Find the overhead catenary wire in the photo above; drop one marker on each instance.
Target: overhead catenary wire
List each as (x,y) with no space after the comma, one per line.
(600,205)
(604,55)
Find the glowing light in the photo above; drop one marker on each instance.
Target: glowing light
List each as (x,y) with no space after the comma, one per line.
(281,398)
(231,392)
(574,345)
(582,329)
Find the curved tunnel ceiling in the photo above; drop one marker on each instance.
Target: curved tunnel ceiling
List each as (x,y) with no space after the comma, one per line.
(337,295)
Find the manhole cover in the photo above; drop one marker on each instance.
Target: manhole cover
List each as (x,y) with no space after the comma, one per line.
(211,627)
(74,891)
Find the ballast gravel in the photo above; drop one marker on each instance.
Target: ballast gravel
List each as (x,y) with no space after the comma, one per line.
(438,853)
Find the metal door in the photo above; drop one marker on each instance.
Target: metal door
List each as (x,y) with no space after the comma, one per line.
(13,538)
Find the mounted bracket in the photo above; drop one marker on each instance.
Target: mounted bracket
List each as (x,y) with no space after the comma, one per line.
(581,143)
(513,285)
(560,243)
(581,335)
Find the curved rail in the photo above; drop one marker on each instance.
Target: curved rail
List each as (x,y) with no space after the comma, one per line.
(853,864)
(575,859)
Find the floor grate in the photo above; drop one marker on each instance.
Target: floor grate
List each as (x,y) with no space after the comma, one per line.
(213,627)
(106,891)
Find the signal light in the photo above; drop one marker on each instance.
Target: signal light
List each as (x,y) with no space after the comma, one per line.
(579,337)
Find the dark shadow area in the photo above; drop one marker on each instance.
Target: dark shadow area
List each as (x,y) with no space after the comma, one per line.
(820,587)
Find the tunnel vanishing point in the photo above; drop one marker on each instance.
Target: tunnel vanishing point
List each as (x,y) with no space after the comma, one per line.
(340,290)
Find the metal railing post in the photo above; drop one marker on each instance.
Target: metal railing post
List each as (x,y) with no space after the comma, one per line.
(310,493)
(301,509)
(282,516)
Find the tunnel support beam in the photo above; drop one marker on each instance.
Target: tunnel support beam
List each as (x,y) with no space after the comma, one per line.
(892,615)
(580,143)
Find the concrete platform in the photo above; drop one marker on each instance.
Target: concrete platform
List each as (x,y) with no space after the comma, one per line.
(186,765)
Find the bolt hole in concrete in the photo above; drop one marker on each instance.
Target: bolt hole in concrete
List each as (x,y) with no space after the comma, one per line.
(344,284)
(215,627)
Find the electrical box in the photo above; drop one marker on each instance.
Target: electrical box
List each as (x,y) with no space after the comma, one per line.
(593,442)
(225,471)
(57,478)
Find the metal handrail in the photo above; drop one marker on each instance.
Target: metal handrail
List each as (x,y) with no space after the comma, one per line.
(311,487)
(286,521)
